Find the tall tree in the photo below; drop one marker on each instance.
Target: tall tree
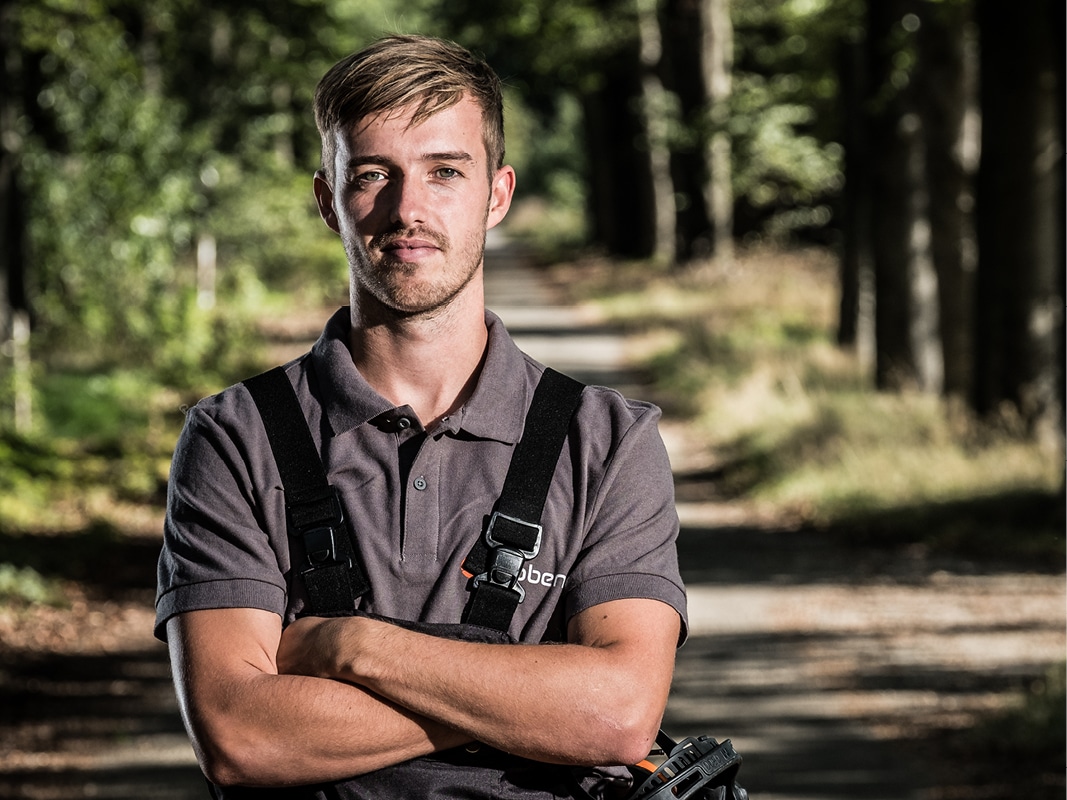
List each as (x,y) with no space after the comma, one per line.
(14,302)
(12,204)
(717,34)
(1018,316)
(945,80)
(684,75)
(621,188)
(855,328)
(696,64)
(656,108)
(907,344)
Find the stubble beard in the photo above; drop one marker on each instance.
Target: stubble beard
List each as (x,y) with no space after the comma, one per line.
(391,284)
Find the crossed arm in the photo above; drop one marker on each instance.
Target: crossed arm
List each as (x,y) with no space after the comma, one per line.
(331,698)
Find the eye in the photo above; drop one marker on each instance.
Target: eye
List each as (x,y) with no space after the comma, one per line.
(447,173)
(370,176)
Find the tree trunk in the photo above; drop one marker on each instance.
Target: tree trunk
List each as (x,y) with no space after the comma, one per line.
(14,300)
(718,35)
(908,354)
(621,204)
(946,97)
(855,328)
(683,75)
(656,116)
(697,59)
(1019,286)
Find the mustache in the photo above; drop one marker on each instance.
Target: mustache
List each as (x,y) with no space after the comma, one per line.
(389,238)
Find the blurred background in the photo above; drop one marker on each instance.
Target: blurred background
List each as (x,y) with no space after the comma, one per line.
(828,234)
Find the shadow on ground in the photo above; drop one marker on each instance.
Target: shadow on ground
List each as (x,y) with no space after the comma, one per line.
(94,726)
(87,706)
(855,672)
(822,703)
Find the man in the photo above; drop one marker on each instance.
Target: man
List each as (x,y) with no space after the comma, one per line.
(416,396)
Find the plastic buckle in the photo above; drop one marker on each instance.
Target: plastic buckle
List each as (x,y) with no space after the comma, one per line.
(506,559)
(321,547)
(503,571)
(492,541)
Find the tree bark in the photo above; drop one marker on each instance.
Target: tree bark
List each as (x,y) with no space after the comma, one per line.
(14,297)
(908,354)
(696,65)
(855,329)
(682,67)
(621,204)
(718,35)
(946,83)
(1019,285)
(656,115)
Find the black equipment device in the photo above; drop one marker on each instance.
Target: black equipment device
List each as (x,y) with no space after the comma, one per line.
(697,768)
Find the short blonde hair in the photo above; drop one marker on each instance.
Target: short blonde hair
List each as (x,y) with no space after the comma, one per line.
(399,71)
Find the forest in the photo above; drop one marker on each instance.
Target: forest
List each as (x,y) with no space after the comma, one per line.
(833,230)
(155,162)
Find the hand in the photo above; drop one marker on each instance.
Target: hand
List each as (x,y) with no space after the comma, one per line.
(310,646)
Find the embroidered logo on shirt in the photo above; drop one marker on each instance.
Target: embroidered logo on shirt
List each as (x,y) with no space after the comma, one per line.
(537,578)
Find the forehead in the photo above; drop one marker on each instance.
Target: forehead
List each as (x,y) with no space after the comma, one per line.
(458,128)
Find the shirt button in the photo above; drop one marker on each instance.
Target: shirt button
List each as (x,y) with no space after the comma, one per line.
(403,423)
(420,483)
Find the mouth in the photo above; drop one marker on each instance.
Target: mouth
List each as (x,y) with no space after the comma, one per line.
(408,246)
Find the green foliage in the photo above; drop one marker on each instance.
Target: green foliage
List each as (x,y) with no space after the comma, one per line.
(542,48)
(101,439)
(549,211)
(1036,724)
(1020,749)
(747,353)
(146,131)
(783,121)
(24,585)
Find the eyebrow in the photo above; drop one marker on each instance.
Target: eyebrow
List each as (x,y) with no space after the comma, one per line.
(371,158)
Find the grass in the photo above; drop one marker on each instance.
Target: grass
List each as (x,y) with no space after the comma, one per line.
(747,354)
(791,424)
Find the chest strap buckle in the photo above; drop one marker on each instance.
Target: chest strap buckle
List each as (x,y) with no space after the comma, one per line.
(516,534)
(512,541)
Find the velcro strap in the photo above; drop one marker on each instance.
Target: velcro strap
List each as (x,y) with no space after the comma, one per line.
(492,606)
(314,508)
(515,523)
(330,587)
(332,574)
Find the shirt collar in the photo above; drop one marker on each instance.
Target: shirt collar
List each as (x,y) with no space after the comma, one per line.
(495,410)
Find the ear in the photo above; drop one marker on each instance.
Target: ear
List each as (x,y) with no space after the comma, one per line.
(324,199)
(501,190)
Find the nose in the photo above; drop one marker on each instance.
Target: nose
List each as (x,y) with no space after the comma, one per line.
(408,200)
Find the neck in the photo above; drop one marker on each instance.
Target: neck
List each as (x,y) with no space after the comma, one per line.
(430,362)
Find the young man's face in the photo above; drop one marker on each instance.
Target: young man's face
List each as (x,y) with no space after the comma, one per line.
(412,205)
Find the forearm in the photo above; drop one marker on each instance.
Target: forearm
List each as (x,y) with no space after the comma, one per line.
(596,701)
(554,703)
(252,726)
(293,729)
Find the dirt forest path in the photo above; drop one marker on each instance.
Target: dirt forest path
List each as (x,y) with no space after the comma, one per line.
(839,674)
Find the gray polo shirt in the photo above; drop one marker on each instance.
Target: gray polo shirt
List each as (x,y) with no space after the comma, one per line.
(609,521)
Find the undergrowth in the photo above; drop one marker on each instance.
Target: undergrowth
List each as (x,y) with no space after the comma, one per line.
(793,425)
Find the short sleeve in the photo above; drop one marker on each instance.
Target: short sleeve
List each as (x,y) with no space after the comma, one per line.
(630,547)
(220,534)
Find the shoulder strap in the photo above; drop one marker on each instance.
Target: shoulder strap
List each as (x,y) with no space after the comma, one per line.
(513,531)
(331,573)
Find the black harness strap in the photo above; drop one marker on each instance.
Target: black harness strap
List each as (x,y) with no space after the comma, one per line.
(513,530)
(332,574)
